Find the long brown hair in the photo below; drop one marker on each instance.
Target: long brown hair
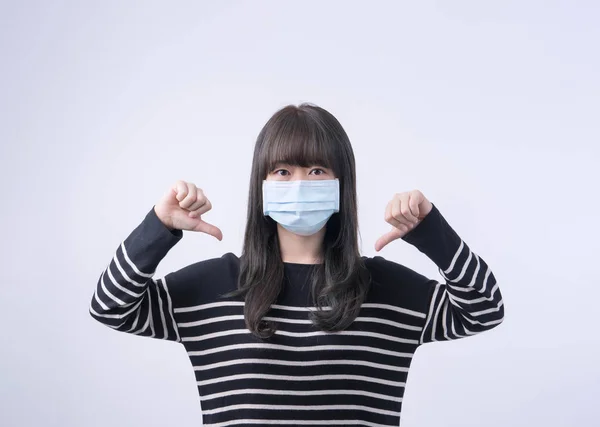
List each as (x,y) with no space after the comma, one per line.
(304,135)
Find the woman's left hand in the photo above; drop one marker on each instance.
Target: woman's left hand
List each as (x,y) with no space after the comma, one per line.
(404,212)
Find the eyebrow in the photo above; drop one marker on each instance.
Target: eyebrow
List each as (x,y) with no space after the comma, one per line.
(284,165)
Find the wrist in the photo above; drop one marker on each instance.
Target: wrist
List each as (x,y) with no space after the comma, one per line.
(425,209)
(165,223)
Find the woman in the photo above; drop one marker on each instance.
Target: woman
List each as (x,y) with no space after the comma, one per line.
(299,330)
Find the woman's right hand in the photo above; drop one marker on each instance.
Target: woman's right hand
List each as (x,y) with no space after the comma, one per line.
(182,207)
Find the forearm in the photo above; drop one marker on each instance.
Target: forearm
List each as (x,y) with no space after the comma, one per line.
(127,298)
(469,301)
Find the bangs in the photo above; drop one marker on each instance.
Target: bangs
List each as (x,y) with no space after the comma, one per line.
(297,139)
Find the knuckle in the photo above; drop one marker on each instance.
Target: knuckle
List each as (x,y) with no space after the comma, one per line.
(182,193)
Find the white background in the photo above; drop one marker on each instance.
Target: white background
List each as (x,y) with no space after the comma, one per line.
(491,109)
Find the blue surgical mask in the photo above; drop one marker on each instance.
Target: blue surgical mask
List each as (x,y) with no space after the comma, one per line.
(302,207)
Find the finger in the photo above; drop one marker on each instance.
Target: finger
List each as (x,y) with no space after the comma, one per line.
(202,210)
(401,211)
(200,201)
(388,237)
(396,217)
(389,217)
(180,189)
(191,196)
(413,204)
(207,228)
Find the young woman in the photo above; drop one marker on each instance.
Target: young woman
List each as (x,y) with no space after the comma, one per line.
(299,330)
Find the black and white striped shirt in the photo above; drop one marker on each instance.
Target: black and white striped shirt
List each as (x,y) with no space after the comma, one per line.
(300,376)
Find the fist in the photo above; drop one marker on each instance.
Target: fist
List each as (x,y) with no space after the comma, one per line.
(182,208)
(404,212)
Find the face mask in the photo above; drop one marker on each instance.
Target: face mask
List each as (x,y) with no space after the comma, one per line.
(302,207)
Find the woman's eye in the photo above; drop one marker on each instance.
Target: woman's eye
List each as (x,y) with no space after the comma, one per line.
(317,171)
(281,172)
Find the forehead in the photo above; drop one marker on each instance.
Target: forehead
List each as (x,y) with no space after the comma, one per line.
(304,152)
(297,140)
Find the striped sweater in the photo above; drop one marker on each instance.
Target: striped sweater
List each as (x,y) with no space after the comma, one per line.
(301,375)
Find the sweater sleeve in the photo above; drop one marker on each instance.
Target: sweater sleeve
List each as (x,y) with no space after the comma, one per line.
(469,301)
(127,297)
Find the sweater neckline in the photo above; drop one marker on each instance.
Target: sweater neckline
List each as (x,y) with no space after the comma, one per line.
(299,265)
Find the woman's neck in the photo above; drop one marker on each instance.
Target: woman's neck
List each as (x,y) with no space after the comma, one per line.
(300,249)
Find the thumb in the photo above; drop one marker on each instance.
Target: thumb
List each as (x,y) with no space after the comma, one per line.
(207,228)
(388,237)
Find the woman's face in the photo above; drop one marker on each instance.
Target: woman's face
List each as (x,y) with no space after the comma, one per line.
(285,172)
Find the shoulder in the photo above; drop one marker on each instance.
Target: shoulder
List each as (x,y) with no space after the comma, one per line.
(205,279)
(209,268)
(383,271)
(397,284)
